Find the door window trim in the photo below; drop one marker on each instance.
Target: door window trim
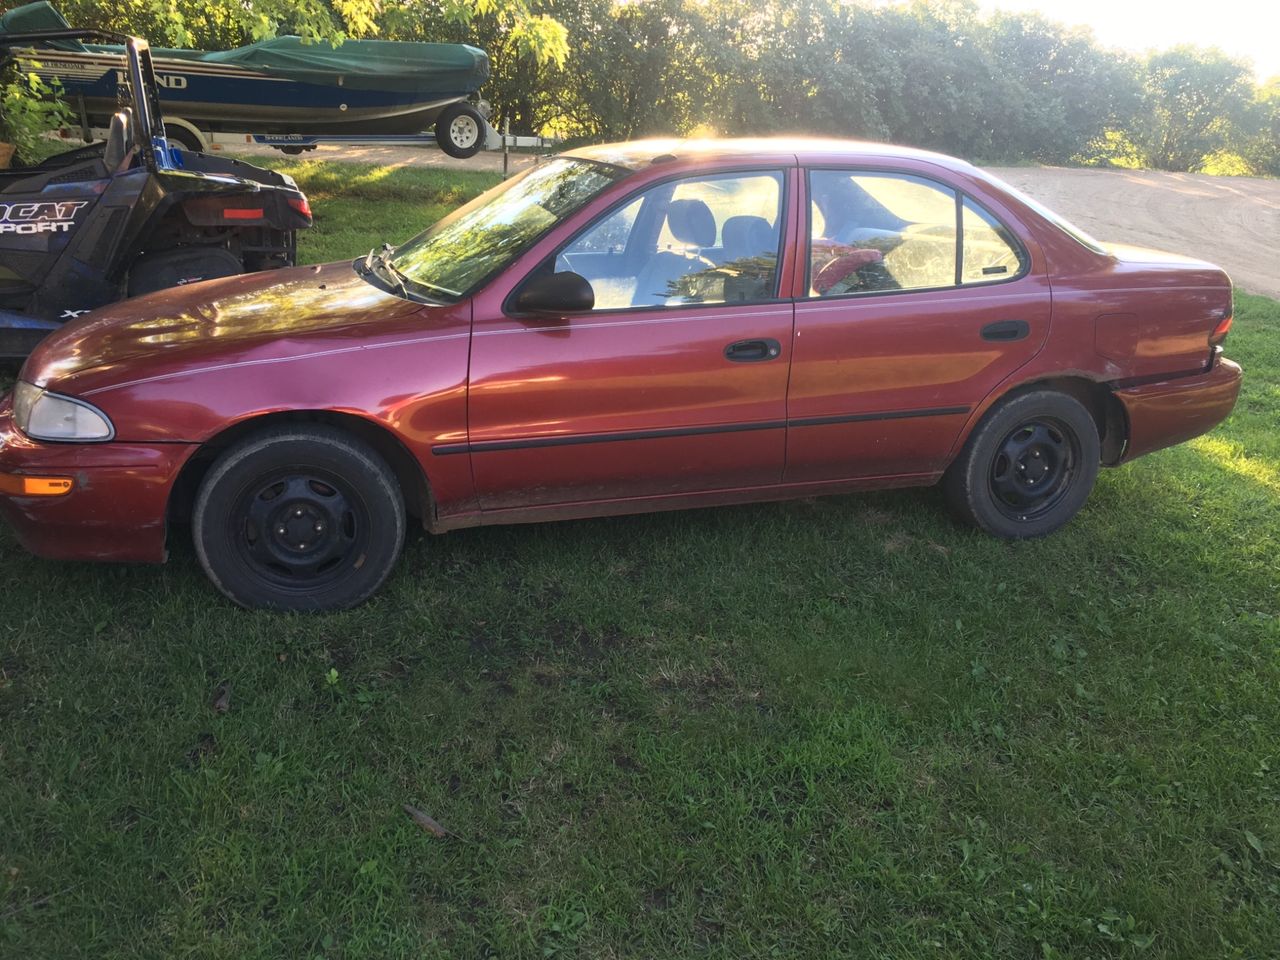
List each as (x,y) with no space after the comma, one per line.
(784,201)
(806,236)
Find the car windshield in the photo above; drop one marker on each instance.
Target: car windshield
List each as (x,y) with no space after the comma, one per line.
(450,258)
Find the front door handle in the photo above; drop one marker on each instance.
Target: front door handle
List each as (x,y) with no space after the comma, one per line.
(752,351)
(1006,330)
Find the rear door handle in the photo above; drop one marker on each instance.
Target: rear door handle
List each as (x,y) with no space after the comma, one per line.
(752,351)
(1006,330)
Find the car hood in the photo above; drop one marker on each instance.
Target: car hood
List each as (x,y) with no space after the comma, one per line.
(266,315)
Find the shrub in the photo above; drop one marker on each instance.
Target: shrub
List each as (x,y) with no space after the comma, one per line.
(29,109)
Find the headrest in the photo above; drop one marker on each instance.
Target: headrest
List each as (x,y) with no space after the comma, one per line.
(120,144)
(748,237)
(691,223)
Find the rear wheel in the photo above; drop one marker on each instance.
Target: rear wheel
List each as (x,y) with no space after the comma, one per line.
(460,131)
(1028,467)
(299,518)
(177,268)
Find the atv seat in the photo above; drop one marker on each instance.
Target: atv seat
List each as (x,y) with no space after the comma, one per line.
(121,144)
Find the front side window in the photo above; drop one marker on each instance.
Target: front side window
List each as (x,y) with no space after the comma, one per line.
(701,240)
(874,232)
(456,254)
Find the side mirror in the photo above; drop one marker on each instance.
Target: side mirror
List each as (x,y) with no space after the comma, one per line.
(557,293)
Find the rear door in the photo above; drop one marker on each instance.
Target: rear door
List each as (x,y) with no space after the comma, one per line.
(919,302)
(674,383)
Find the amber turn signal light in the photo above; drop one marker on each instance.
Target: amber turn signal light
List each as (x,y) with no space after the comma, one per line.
(17,485)
(1221,330)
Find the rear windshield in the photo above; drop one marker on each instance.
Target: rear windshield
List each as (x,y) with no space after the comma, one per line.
(1066,226)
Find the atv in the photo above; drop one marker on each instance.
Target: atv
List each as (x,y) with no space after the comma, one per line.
(131,214)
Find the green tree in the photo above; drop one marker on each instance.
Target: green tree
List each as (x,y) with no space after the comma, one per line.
(525,52)
(1199,102)
(1055,91)
(931,73)
(1263,151)
(216,24)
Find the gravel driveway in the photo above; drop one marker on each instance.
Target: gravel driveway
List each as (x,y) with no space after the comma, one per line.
(1231,221)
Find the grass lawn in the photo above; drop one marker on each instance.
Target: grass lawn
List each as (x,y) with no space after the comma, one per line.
(838,727)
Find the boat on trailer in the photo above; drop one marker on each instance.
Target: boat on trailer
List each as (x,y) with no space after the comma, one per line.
(280,88)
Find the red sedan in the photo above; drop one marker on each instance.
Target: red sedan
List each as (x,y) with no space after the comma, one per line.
(634,327)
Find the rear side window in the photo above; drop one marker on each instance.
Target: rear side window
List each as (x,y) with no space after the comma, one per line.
(989,250)
(882,232)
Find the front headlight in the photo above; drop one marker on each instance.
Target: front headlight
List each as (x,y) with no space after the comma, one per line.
(48,416)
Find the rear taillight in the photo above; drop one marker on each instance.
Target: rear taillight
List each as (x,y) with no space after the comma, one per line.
(1221,330)
(301,205)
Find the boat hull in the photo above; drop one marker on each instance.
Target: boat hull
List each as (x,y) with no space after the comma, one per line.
(227,98)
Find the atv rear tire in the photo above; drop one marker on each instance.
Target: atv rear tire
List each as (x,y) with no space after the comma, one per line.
(177,268)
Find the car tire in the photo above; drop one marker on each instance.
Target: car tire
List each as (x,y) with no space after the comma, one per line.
(460,131)
(304,518)
(1027,468)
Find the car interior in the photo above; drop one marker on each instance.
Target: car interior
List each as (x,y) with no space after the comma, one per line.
(880,232)
(708,242)
(874,233)
(664,248)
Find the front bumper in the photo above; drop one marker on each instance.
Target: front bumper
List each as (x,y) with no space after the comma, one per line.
(116,510)
(1171,411)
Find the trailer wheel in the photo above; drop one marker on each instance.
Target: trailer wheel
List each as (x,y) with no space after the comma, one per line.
(295,151)
(184,138)
(460,131)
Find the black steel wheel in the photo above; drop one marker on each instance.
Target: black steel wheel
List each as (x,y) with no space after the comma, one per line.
(299,519)
(1028,467)
(460,131)
(1033,467)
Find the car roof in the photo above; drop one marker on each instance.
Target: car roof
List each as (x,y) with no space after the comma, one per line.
(635,154)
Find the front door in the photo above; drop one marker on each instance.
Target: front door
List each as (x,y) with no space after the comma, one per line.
(920,303)
(675,382)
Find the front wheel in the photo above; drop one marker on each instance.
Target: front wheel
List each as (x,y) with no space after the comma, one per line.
(1028,467)
(460,131)
(299,518)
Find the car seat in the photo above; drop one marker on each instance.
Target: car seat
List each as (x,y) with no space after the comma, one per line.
(694,228)
(746,236)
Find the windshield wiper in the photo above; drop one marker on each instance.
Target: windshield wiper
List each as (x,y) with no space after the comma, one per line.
(376,262)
